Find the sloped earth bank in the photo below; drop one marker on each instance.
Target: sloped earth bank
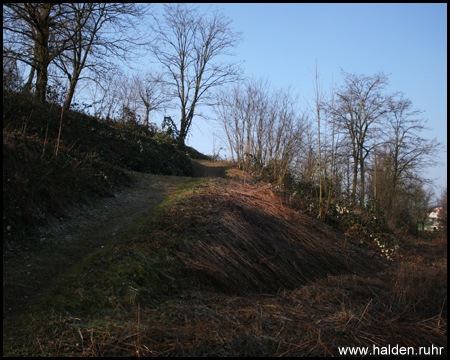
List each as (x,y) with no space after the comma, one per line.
(224,267)
(31,271)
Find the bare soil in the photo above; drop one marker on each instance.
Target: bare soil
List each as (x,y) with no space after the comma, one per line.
(29,273)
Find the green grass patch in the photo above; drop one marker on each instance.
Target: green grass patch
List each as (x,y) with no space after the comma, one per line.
(133,268)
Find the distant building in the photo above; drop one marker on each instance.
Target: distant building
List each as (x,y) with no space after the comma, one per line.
(434,218)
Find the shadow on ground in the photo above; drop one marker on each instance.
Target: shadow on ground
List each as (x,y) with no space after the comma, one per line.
(205,168)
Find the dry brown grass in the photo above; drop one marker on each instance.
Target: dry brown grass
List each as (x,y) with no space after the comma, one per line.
(255,278)
(312,322)
(239,238)
(420,287)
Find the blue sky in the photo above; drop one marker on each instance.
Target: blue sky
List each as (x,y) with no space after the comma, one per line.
(408,42)
(281,42)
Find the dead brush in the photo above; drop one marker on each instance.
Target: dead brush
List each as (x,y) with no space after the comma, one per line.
(420,288)
(239,238)
(382,331)
(233,248)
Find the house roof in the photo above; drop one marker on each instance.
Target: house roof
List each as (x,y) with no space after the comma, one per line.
(435,213)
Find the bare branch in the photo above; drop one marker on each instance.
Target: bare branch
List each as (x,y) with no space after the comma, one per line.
(188,46)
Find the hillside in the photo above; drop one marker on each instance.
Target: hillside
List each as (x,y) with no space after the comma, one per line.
(212,264)
(92,160)
(225,267)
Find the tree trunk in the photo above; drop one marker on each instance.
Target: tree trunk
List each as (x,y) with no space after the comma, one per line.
(355,180)
(41,85)
(363,171)
(69,96)
(182,135)
(42,55)
(147,112)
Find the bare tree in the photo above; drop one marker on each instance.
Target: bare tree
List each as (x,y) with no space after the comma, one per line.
(33,33)
(189,45)
(262,126)
(318,103)
(234,109)
(421,200)
(406,147)
(104,30)
(105,92)
(332,177)
(401,153)
(72,36)
(360,104)
(306,166)
(128,100)
(152,93)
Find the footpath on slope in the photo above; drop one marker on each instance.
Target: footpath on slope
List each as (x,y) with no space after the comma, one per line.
(30,273)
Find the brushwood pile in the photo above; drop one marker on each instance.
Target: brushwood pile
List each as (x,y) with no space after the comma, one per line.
(238,238)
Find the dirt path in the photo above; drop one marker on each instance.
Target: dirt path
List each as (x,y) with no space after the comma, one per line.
(29,274)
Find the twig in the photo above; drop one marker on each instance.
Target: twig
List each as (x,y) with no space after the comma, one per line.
(365,310)
(138,328)
(45,141)
(296,347)
(442,308)
(59,133)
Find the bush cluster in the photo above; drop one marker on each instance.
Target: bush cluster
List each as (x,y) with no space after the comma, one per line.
(368,225)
